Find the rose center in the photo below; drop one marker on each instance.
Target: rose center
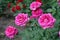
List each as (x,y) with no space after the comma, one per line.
(10,30)
(45,20)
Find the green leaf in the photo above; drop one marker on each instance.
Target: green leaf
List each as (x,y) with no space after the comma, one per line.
(49,10)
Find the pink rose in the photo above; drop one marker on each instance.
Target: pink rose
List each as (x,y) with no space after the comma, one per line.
(46,21)
(37,13)
(34,5)
(11,31)
(21,19)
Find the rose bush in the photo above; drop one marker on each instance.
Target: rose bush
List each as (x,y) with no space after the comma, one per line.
(39,18)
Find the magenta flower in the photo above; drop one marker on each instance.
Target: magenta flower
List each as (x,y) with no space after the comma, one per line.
(46,21)
(37,13)
(11,31)
(21,19)
(34,5)
(58,2)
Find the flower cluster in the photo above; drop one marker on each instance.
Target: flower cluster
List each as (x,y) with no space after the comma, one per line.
(17,6)
(45,20)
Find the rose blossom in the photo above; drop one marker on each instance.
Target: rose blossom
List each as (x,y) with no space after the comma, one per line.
(13,9)
(39,0)
(11,31)
(34,5)
(9,4)
(18,7)
(46,21)
(20,0)
(21,19)
(37,13)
